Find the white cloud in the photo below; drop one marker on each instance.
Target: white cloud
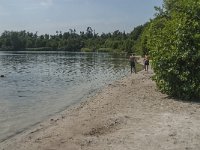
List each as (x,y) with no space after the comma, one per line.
(38,4)
(46,3)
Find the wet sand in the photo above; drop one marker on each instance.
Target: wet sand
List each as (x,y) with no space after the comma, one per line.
(128,114)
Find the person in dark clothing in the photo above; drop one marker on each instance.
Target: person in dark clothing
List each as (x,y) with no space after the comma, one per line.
(146,63)
(132,60)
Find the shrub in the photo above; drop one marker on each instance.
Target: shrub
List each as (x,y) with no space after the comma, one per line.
(174,44)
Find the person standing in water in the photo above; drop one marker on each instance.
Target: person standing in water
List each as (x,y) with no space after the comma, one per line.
(132,60)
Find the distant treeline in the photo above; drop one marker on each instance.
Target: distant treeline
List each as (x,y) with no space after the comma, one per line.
(72,41)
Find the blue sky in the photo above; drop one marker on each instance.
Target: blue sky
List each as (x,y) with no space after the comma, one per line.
(49,16)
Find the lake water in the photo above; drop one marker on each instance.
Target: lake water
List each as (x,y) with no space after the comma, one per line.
(39,84)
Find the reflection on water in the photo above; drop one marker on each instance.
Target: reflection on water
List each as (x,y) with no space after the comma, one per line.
(37,85)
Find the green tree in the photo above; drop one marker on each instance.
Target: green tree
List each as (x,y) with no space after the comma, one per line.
(173,41)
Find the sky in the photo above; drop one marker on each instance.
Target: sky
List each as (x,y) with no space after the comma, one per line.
(49,16)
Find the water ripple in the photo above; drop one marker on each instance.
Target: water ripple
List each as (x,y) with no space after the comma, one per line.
(37,85)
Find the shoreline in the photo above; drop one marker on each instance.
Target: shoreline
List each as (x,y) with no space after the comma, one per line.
(127,114)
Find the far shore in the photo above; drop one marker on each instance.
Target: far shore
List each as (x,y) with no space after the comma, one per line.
(129,114)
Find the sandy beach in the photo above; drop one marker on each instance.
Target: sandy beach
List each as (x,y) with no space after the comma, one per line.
(129,114)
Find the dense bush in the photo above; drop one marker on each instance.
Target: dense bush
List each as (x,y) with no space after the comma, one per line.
(174,45)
